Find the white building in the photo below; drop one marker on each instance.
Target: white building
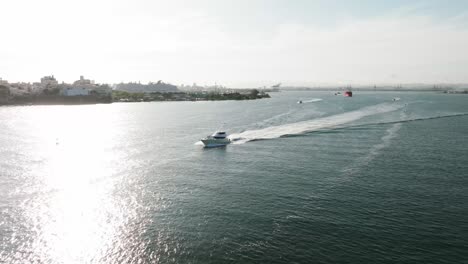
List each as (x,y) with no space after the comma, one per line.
(49,81)
(20,88)
(83,81)
(87,87)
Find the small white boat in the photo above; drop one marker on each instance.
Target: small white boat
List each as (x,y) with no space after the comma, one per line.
(218,139)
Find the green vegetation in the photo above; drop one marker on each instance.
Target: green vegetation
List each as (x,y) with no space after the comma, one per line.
(54,99)
(4,94)
(52,96)
(122,96)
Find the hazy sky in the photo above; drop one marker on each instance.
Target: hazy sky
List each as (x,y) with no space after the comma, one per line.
(238,43)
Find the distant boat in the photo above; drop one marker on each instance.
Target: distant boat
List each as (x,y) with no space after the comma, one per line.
(218,139)
(299,102)
(348,94)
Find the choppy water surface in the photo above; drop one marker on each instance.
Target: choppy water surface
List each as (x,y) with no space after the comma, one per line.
(332,180)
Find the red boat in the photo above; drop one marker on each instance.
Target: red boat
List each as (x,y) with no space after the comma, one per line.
(348,94)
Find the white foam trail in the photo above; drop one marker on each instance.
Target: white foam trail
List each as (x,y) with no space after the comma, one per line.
(312,100)
(390,134)
(375,151)
(312,125)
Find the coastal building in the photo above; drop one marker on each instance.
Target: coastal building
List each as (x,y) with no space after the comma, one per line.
(20,88)
(85,87)
(4,82)
(83,82)
(36,87)
(158,87)
(49,81)
(206,88)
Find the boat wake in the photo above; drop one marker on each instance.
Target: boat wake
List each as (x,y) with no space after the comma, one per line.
(390,134)
(312,100)
(199,143)
(313,125)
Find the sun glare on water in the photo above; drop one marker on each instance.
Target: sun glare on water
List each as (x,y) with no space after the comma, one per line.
(76,211)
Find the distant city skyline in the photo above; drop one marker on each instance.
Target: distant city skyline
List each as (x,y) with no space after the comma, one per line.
(236,43)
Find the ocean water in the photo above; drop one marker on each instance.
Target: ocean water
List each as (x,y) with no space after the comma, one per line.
(332,180)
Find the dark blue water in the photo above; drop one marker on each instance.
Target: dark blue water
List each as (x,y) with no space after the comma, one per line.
(337,180)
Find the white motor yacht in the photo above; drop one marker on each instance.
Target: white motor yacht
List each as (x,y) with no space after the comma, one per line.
(218,139)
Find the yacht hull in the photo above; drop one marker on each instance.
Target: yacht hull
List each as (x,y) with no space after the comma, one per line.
(212,143)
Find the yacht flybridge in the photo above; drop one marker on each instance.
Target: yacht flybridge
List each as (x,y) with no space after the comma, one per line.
(218,139)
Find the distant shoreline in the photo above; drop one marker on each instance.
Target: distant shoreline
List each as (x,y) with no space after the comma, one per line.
(460,91)
(126,97)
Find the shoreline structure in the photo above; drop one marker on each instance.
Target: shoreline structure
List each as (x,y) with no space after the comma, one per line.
(84,91)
